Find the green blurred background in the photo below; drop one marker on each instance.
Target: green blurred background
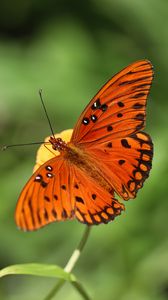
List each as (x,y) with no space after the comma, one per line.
(70,48)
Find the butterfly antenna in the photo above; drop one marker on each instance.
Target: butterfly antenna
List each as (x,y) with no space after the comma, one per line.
(49,122)
(3,148)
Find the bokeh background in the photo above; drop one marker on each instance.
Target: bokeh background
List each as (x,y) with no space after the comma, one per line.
(70,48)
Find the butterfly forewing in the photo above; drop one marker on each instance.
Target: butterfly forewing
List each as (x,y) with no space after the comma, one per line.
(46,197)
(119,108)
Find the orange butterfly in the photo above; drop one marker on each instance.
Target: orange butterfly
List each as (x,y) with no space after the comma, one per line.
(107,154)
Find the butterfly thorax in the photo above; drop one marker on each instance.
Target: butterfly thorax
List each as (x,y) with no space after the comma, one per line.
(83,160)
(80,159)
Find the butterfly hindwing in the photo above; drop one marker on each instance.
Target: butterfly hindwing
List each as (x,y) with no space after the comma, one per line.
(93,204)
(126,162)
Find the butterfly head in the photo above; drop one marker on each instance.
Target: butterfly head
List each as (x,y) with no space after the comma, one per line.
(58,144)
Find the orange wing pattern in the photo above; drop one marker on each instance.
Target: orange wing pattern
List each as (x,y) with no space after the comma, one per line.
(57,191)
(119,108)
(93,205)
(109,129)
(46,197)
(126,162)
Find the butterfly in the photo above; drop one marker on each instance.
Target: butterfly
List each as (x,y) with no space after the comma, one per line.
(107,154)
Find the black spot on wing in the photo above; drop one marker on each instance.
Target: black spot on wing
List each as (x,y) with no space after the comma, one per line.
(109,145)
(63,187)
(104,107)
(38,178)
(93,118)
(54,213)
(125,143)
(139,117)
(85,121)
(64,214)
(139,95)
(46,198)
(79,199)
(49,168)
(140,126)
(120,104)
(49,175)
(31,211)
(137,105)
(96,105)
(109,128)
(44,184)
(121,162)
(46,215)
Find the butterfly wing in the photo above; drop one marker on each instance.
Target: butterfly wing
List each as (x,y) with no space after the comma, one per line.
(109,129)
(118,109)
(126,162)
(59,190)
(93,204)
(46,196)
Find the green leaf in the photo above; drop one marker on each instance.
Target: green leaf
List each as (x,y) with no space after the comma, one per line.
(38,270)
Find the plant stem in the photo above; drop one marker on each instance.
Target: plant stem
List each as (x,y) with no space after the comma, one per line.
(70,265)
